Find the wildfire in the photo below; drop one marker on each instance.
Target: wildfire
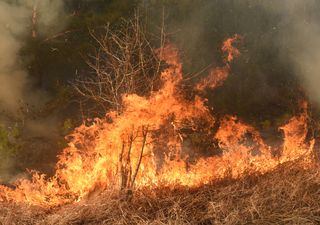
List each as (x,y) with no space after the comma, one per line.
(218,75)
(145,146)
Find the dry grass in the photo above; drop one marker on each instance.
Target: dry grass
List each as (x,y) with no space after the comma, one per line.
(288,195)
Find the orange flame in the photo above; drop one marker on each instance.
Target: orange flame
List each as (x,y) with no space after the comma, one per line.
(144,145)
(218,75)
(228,49)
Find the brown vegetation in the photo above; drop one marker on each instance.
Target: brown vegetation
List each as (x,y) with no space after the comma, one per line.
(125,62)
(288,195)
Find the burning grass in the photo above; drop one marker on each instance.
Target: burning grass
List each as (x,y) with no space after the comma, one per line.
(144,149)
(287,195)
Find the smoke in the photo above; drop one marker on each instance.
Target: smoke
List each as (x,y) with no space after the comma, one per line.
(12,76)
(279,54)
(23,20)
(17,25)
(299,40)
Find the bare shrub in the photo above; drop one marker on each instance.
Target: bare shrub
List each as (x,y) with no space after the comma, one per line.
(125,62)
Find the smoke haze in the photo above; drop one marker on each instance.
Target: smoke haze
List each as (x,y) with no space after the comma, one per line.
(16,85)
(300,40)
(16,26)
(280,56)
(303,37)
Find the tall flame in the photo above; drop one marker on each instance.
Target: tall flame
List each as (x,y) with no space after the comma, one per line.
(144,146)
(218,75)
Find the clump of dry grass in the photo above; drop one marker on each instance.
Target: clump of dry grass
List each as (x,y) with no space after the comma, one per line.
(288,195)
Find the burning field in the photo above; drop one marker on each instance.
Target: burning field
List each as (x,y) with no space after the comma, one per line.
(287,195)
(166,159)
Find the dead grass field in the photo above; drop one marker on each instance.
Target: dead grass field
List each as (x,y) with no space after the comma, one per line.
(288,195)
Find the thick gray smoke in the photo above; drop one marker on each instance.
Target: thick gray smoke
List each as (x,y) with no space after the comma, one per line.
(281,40)
(12,76)
(16,24)
(299,39)
(21,20)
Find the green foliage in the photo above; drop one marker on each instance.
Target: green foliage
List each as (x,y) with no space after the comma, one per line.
(8,147)
(8,151)
(59,101)
(266,124)
(283,119)
(68,126)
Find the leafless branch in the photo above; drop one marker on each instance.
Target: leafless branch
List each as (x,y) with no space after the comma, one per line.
(124,63)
